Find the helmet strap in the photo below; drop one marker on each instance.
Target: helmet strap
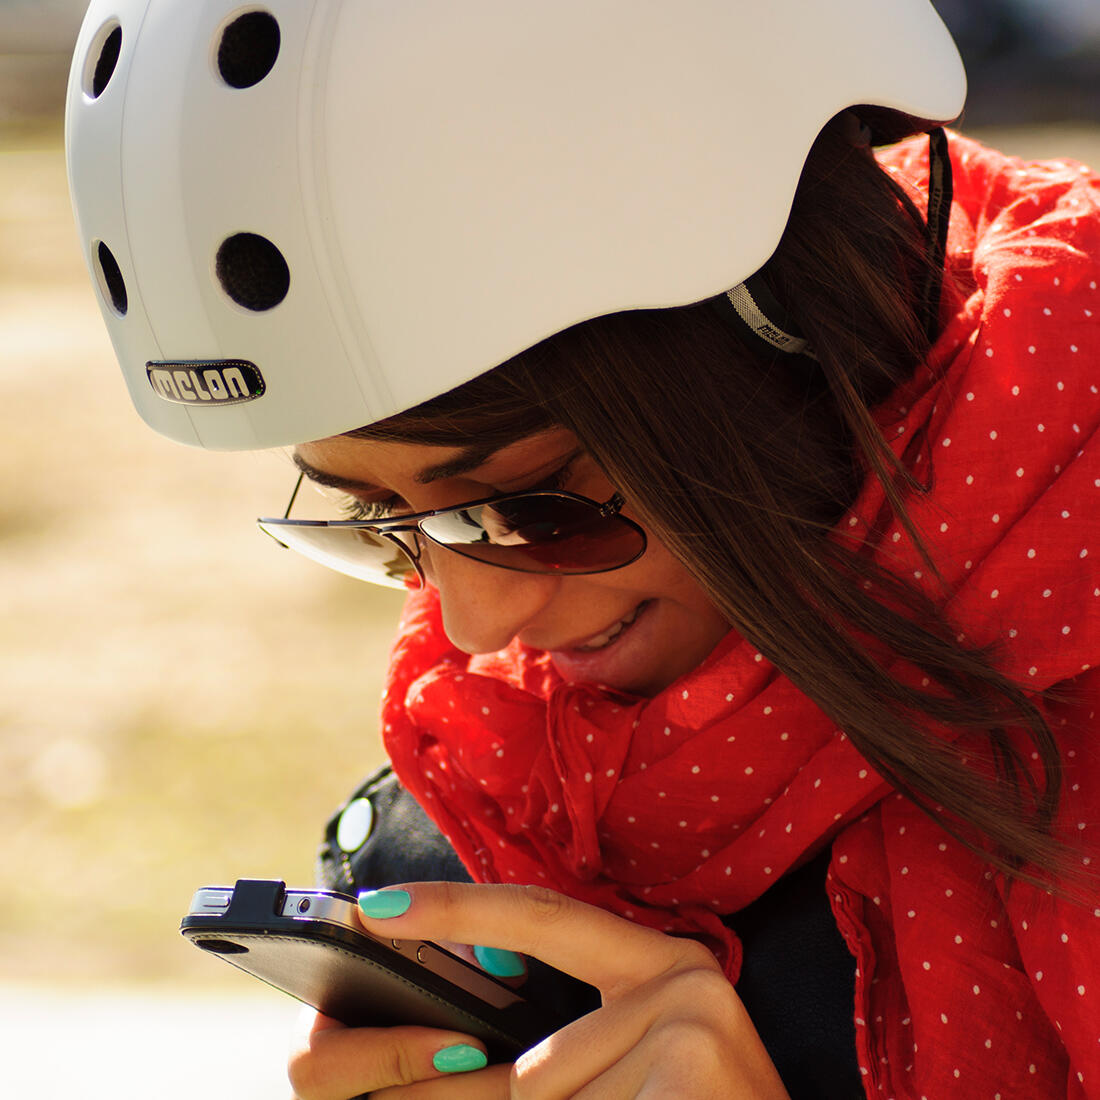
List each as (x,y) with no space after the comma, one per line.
(940,193)
(760,320)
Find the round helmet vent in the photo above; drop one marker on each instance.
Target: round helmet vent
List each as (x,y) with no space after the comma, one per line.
(99,66)
(111,283)
(252,271)
(248,49)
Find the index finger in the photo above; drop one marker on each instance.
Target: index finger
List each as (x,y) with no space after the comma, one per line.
(598,947)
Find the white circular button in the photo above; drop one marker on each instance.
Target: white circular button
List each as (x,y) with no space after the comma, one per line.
(355,825)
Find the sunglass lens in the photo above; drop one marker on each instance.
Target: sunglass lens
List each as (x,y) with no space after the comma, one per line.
(538,533)
(382,559)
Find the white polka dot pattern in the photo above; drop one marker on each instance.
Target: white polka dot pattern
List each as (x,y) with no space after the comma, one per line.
(683,807)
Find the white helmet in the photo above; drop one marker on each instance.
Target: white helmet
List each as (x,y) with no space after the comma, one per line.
(307,215)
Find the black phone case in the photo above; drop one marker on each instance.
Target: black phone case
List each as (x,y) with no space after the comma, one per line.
(357,980)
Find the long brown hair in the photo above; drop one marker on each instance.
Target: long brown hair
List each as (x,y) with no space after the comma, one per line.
(742,462)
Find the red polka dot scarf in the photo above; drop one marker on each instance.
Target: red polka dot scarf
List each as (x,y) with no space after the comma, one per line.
(674,810)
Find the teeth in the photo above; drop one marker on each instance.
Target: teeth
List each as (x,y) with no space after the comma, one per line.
(608,636)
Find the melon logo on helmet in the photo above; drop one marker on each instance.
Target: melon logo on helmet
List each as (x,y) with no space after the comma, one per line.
(206,382)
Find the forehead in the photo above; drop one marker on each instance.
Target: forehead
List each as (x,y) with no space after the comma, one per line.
(345,462)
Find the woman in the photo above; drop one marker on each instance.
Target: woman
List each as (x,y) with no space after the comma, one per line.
(753,628)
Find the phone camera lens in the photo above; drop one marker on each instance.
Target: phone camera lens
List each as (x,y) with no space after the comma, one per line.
(303,905)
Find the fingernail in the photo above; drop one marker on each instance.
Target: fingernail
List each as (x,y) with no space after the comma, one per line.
(500,963)
(459,1059)
(384,903)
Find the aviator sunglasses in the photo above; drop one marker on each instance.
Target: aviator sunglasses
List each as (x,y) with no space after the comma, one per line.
(538,531)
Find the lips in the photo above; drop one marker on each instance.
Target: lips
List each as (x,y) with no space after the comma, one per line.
(618,654)
(601,641)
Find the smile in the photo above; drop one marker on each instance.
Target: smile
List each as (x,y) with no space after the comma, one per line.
(600,641)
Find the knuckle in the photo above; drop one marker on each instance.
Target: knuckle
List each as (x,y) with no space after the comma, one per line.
(527,1078)
(517,1088)
(547,906)
(694,956)
(702,1011)
(301,1071)
(396,1066)
(446,899)
(711,988)
(698,985)
(688,1041)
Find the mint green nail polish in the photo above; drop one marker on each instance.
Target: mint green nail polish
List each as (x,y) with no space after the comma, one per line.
(459,1059)
(384,903)
(500,963)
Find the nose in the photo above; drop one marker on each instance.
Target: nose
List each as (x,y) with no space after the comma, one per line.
(484,607)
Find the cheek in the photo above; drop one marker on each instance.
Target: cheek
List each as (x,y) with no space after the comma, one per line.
(690,625)
(692,628)
(665,577)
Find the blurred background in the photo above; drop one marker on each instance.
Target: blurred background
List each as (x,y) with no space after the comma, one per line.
(180,702)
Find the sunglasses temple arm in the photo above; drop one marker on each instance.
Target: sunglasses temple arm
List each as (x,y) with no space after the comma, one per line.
(293,496)
(286,514)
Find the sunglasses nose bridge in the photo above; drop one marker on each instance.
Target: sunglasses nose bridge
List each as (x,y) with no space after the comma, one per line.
(406,539)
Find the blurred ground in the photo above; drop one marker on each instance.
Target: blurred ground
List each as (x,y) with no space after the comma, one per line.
(180,702)
(143,1047)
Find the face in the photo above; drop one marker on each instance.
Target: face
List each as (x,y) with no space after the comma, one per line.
(637,628)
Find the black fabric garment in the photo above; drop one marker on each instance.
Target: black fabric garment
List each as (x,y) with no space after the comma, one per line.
(798,984)
(797,979)
(403,846)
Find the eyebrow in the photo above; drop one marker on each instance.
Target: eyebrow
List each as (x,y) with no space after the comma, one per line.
(470,458)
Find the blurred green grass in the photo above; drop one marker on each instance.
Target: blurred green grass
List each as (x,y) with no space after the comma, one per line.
(180,702)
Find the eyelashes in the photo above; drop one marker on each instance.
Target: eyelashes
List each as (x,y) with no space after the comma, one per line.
(557,480)
(368,511)
(362,511)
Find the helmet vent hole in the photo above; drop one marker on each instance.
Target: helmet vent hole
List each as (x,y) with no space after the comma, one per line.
(248,49)
(252,271)
(102,60)
(111,283)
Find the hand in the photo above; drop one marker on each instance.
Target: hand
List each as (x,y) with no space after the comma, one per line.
(334,1062)
(670,1024)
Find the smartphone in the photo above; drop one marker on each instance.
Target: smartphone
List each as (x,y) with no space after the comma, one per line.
(310,944)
